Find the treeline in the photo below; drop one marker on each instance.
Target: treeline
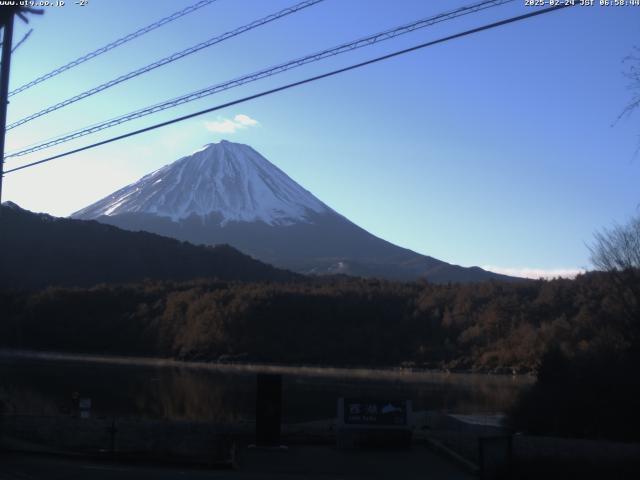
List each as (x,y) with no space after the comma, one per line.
(490,326)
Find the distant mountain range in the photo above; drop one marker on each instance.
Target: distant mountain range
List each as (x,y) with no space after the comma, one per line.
(227,193)
(38,250)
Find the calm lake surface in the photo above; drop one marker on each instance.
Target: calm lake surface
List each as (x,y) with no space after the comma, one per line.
(43,384)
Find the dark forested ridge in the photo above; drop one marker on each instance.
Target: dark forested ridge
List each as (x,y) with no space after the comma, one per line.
(38,250)
(330,321)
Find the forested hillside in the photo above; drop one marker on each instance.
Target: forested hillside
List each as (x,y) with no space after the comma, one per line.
(333,321)
(38,250)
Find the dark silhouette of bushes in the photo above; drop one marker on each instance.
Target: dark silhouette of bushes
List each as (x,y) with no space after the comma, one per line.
(590,395)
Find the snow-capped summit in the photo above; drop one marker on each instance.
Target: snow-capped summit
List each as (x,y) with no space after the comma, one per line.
(226,180)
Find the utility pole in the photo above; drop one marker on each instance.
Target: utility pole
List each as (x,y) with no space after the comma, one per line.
(7,40)
(7,14)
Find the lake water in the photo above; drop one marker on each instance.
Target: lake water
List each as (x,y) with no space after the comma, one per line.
(44,385)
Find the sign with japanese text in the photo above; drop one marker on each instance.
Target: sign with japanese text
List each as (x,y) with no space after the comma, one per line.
(375,412)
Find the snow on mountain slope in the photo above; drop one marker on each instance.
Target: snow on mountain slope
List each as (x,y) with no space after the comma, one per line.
(228,179)
(227,193)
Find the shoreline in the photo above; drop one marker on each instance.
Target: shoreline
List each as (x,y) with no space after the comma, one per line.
(392,373)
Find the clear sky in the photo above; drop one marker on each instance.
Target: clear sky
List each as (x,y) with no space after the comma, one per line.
(498,149)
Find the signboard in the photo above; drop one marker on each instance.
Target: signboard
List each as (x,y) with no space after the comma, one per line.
(364,412)
(84,405)
(371,423)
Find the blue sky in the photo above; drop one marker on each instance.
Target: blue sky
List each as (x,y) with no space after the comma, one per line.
(498,149)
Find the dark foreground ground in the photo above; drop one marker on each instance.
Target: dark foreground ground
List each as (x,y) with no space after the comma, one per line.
(315,462)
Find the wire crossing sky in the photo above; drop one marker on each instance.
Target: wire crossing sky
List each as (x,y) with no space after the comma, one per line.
(499,149)
(112,45)
(252,77)
(166,60)
(297,84)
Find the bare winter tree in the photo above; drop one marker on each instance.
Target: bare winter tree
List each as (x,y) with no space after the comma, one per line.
(617,250)
(633,74)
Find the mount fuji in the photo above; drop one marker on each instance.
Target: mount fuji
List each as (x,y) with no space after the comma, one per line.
(228,193)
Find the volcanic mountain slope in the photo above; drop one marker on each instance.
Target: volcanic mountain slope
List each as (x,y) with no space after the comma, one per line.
(38,250)
(228,193)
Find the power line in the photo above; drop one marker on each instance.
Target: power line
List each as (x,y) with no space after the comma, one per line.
(22,40)
(346,47)
(112,45)
(166,60)
(296,84)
